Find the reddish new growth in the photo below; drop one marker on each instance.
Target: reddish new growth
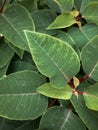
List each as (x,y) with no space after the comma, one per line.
(75,92)
(79,17)
(84,78)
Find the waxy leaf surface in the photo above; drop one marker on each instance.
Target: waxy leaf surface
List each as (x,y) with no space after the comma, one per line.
(42,19)
(89,117)
(18,97)
(48,90)
(65,5)
(6,54)
(3,70)
(82,36)
(89,57)
(53,57)
(59,118)
(91,97)
(12,23)
(6,124)
(62,21)
(90,12)
(85,3)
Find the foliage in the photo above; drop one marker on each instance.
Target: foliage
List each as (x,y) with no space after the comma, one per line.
(48,64)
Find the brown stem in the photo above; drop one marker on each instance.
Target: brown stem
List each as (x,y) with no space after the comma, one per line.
(71,84)
(84,78)
(1,8)
(52,103)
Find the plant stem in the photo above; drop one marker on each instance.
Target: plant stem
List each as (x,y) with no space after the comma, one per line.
(84,78)
(71,84)
(1,8)
(52,103)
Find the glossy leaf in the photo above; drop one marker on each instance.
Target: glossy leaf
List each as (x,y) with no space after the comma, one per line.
(59,118)
(62,21)
(49,91)
(91,97)
(53,57)
(42,19)
(89,117)
(90,12)
(6,54)
(89,57)
(18,97)
(13,22)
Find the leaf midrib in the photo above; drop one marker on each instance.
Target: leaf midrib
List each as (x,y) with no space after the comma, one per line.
(90,95)
(22,94)
(56,65)
(66,119)
(4,16)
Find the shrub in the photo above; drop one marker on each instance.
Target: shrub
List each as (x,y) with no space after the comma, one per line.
(48,65)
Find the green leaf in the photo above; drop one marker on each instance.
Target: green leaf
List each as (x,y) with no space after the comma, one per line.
(82,36)
(20,66)
(42,19)
(53,5)
(6,54)
(18,97)
(59,118)
(27,58)
(89,117)
(91,97)
(78,3)
(48,90)
(63,20)
(85,3)
(90,12)
(13,22)
(68,39)
(60,6)
(3,70)
(18,51)
(89,57)
(31,5)
(6,124)
(29,125)
(54,58)
(64,103)
(65,5)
